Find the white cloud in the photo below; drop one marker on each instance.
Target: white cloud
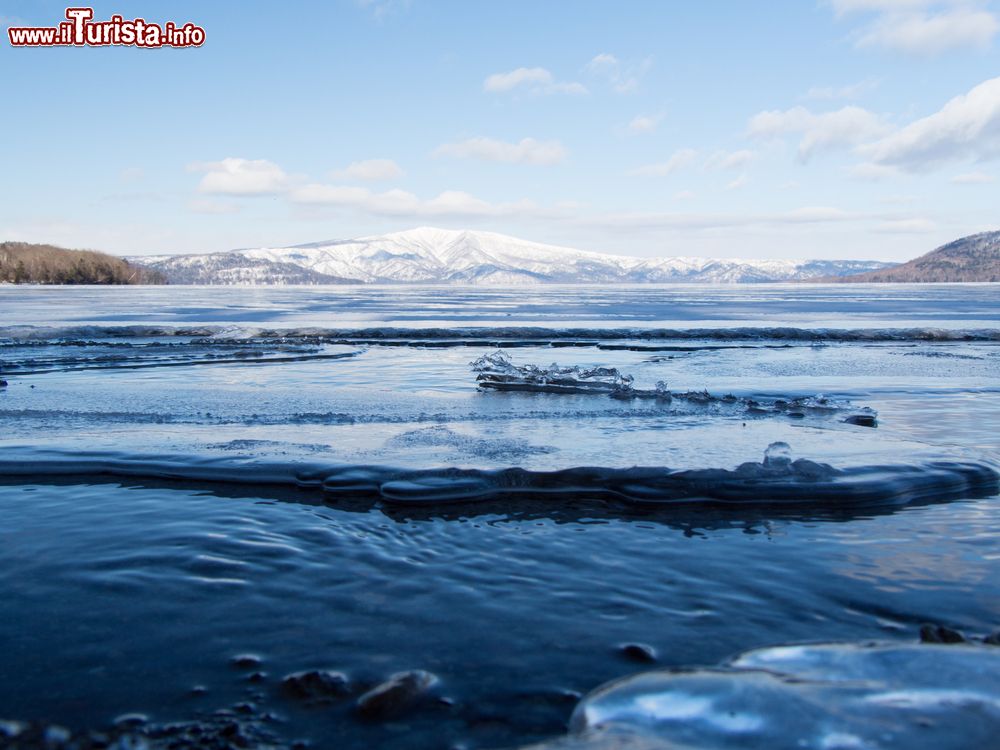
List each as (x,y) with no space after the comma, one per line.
(738,183)
(850,91)
(624,76)
(678,160)
(131,174)
(525,151)
(708,221)
(872,172)
(730,159)
(923,34)
(536,80)
(905,226)
(973,178)
(644,123)
(380,9)
(402,203)
(210,206)
(241,177)
(846,7)
(515,78)
(966,128)
(841,128)
(921,27)
(369,170)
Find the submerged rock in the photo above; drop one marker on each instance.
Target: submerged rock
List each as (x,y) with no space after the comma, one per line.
(862,420)
(245,661)
(131,721)
(220,731)
(638,652)
(396,695)
(940,634)
(316,685)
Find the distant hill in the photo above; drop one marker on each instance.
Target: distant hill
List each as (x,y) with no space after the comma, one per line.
(24,263)
(973,258)
(235,269)
(447,256)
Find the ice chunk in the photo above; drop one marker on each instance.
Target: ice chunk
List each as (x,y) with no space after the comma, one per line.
(495,371)
(827,696)
(778,456)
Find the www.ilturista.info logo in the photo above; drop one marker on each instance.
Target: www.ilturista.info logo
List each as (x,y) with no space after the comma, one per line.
(80,30)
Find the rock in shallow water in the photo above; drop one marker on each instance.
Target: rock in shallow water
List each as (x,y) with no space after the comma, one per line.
(245,661)
(396,695)
(940,634)
(316,685)
(638,652)
(832,696)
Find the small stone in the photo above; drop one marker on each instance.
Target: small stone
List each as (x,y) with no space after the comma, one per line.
(993,639)
(130,742)
(256,677)
(316,685)
(11,728)
(396,695)
(245,661)
(131,721)
(3,383)
(55,736)
(639,652)
(198,690)
(940,634)
(862,420)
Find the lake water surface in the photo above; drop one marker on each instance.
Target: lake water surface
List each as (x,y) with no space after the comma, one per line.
(322,478)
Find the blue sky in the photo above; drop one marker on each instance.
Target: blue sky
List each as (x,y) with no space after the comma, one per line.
(836,128)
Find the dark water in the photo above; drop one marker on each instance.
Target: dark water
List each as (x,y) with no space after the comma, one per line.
(120,598)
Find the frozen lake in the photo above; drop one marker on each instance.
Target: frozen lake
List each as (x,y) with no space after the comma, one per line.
(322,476)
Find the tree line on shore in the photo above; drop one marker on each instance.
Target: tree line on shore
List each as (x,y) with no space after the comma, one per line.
(25,263)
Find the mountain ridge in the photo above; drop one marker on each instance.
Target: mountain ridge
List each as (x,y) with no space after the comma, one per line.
(453,256)
(975,258)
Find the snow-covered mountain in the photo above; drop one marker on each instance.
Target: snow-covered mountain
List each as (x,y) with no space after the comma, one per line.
(445,256)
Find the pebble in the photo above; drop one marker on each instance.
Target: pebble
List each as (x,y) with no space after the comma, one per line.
(940,634)
(131,721)
(396,695)
(316,685)
(862,420)
(639,652)
(245,661)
